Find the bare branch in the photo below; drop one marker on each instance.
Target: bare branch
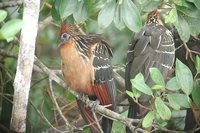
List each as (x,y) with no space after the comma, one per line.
(45,119)
(189,51)
(97,121)
(11,3)
(71,128)
(25,65)
(7,53)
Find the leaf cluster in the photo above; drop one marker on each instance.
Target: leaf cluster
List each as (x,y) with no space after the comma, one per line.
(184,14)
(10,28)
(167,96)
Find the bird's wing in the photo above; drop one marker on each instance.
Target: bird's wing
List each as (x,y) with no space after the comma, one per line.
(153,47)
(104,86)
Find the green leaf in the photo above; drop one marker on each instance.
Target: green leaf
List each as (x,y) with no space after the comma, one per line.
(80,14)
(157,87)
(149,5)
(163,111)
(139,84)
(131,16)
(157,77)
(1,36)
(180,99)
(11,28)
(141,1)
(196,94)
(130,94)
(148,119)
(197,3)
(197,64)
(184,77)
(136,93)
(191,11)
(118,19)
(173,103)
(3,15)
(191,0)
(118,127)
(173,85)
(183,29)
(194,26)
(106,14)
(160,121)
(63,8)
(69,8)
(55,13)
(172,17)
(180,2)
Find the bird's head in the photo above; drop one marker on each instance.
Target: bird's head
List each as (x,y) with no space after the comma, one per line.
(64,34)
(154,16)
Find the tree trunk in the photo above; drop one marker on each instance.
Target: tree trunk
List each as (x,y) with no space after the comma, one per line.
(25,65)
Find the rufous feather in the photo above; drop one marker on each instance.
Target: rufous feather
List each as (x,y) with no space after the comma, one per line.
(67,28)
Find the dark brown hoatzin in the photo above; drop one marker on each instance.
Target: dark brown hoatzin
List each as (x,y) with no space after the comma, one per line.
(87,69)
(153,46)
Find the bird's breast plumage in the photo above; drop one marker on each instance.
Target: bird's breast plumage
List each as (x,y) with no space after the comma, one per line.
(78,72)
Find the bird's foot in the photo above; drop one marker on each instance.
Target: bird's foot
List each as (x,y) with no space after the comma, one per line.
(89,103)
(93,104)
(83,97)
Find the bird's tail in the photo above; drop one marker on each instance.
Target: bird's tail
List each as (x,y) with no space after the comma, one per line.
(88,116)
(132,112)
(107,125)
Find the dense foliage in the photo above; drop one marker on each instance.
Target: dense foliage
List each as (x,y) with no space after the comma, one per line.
(115,20)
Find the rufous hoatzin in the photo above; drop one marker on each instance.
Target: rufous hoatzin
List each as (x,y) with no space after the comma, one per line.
(153,46)
(86,67)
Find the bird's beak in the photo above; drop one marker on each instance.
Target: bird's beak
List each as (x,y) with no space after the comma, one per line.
(60,42)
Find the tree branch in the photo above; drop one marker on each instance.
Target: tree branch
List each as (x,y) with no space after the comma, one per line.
(11,3)
(25,65)
(7,53)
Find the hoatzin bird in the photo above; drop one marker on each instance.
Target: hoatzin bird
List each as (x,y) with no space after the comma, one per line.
(153,46)
(86,67)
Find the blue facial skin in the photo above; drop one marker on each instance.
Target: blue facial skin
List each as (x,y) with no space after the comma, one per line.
(64,38)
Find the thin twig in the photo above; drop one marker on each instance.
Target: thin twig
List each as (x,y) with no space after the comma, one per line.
(97,121)
(179,47)
(44,117)
(57,106)
(7,53)
(166,130)
(189,51)
(11,3)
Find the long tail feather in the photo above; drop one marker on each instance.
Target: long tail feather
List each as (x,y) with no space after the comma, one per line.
(105,95)
(88,116)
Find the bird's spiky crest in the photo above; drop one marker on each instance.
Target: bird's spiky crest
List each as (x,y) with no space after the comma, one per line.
(65,28)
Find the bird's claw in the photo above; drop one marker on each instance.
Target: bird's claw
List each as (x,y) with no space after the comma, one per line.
(83,97)
(93,104)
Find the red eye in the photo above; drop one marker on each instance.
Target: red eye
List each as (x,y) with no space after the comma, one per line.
(64,35)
